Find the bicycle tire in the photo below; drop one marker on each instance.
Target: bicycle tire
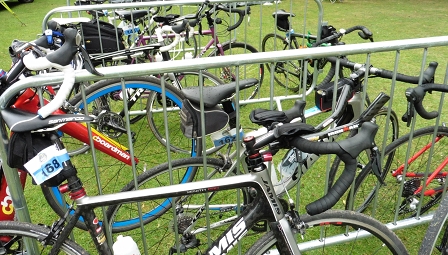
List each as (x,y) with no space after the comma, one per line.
(363,159)
(387,240)
(437,226)
(385,212)
(14,231)
(287,74)
(227,74)
(114,174)
(182,80)
(160,213)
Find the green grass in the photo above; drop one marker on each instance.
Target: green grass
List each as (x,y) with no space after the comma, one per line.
(388,20)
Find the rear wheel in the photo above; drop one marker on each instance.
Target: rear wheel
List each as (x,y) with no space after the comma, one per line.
(114,174)
(164,227)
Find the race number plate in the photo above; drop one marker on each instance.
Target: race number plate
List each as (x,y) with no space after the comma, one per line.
(128,30)
(226,136)
(46,164)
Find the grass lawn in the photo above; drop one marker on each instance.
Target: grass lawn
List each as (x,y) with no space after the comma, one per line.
(388,20)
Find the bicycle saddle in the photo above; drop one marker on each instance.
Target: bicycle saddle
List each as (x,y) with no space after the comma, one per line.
(281,14)
(165,20)
(212,95)
(22,121)
(131,15)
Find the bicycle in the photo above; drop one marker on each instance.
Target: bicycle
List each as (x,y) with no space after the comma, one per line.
(286,222)
(283,175)
(290,74)
(432,182)
(110,133)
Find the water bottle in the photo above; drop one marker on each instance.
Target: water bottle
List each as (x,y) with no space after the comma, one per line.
(158,57)
(188,55)
(289,163)
(125,245)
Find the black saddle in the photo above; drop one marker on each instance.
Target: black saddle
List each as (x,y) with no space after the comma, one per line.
(212,95)
(22,121)
(282,14)
(166,20)
(131,15)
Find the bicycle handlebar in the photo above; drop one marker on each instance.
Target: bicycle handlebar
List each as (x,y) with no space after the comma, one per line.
(60,59)
(241,14)
(428,74)
(364,33)
(415,97)
(176,29)
(347,150)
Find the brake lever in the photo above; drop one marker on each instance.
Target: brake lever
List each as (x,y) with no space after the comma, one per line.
(88,65)
(376,164)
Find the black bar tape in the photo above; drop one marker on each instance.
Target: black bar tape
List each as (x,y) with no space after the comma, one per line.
(347,150)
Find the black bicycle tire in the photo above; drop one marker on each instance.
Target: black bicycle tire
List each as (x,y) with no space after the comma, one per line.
(247,48)
(322,63)
(435,228)
(282,46)
(391,148)
(155,172)
(39,233)
(340,218)
(214,81)
(395,130)
(51,198)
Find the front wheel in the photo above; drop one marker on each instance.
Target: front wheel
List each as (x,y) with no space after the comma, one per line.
(168,223)
(12,234)
(338,232)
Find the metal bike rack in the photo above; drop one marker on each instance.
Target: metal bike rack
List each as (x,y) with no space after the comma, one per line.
(124,71)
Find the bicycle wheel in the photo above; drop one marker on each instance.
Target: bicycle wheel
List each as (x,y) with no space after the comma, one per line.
(160,214)
(389,193)
(338,232)
(363,159)
(12,234)
(157,122)
(436,235)
(114,174)
(287,74)
(228,74)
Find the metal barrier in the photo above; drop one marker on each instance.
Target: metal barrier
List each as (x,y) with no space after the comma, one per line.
(276,96)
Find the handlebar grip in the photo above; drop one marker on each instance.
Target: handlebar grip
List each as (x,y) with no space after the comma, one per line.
(416,95)
(241,14)
(337,190)
(61,60)
(428,75)
(296,111)
(347,150)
